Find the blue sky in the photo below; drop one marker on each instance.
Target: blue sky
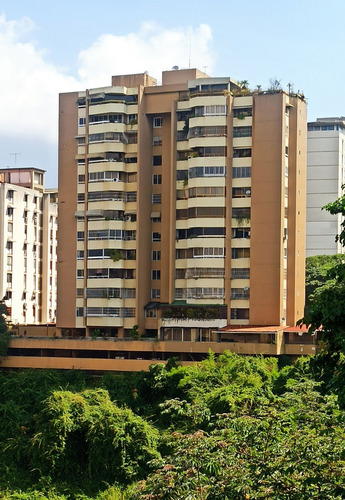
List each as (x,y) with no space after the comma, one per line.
(50,47)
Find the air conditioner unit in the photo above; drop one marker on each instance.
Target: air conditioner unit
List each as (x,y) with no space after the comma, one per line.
(117,179)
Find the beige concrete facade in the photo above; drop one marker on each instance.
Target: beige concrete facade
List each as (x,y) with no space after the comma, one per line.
(28,228)
(41,347)
(181,208)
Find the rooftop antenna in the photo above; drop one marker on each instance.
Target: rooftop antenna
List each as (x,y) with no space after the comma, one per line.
(205,68)
(15,158)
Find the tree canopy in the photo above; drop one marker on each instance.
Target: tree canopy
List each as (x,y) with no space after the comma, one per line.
(326,290)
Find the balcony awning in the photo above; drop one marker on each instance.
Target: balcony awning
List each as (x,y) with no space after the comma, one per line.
(155,215)
(94,213)
(154,305)
(79,213)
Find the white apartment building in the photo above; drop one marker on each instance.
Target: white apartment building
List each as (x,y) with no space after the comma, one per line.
(28,226)
(325,176)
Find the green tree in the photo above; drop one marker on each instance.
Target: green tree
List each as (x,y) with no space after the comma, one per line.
(326,304)
(317,273)
(288,449)
(86,439)
(4,333)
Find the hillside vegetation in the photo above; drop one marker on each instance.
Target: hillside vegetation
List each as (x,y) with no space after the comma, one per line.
(228,428)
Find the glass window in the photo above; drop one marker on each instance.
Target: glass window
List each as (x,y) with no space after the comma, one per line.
(241,172)
(156,255)
(156,140)
(157,160)
(157,179)
(157,198)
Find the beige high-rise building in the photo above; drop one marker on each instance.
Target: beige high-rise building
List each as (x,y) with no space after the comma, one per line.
(181,207)
(28,227)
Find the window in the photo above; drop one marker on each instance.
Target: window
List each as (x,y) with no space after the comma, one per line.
(200,212)
(131,196)
(81,122)
(241,192)
(110,175)
(156,198)
(156,236)
(157,179)
(156,274)
(206,172)
(219,109)
(156,255)
(157,122)
(242,152)
(80,292)
(241,172)
(240,253)
(202,131)
(80,254)
(10,195)
(151,313)
(203,191)
(80,312)
(155,293)
(240,273)
(181,175)
(182,135)
(239,293)
(241,213)
(239,313)
(156,140)
(242,131)
(241,232)
(208,252)
(157,160)
(129,312)
(80,273)
(241,113)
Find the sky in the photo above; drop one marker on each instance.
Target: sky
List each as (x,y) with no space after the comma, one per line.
(47,48)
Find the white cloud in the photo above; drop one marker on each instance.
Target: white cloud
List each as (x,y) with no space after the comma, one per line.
(29,85)
(152,49)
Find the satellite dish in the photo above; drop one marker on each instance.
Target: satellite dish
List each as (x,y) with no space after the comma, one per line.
(175,68)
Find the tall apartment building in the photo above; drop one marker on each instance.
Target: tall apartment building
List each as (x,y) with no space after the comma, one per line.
(325,176)
(28,226)
(181,207)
